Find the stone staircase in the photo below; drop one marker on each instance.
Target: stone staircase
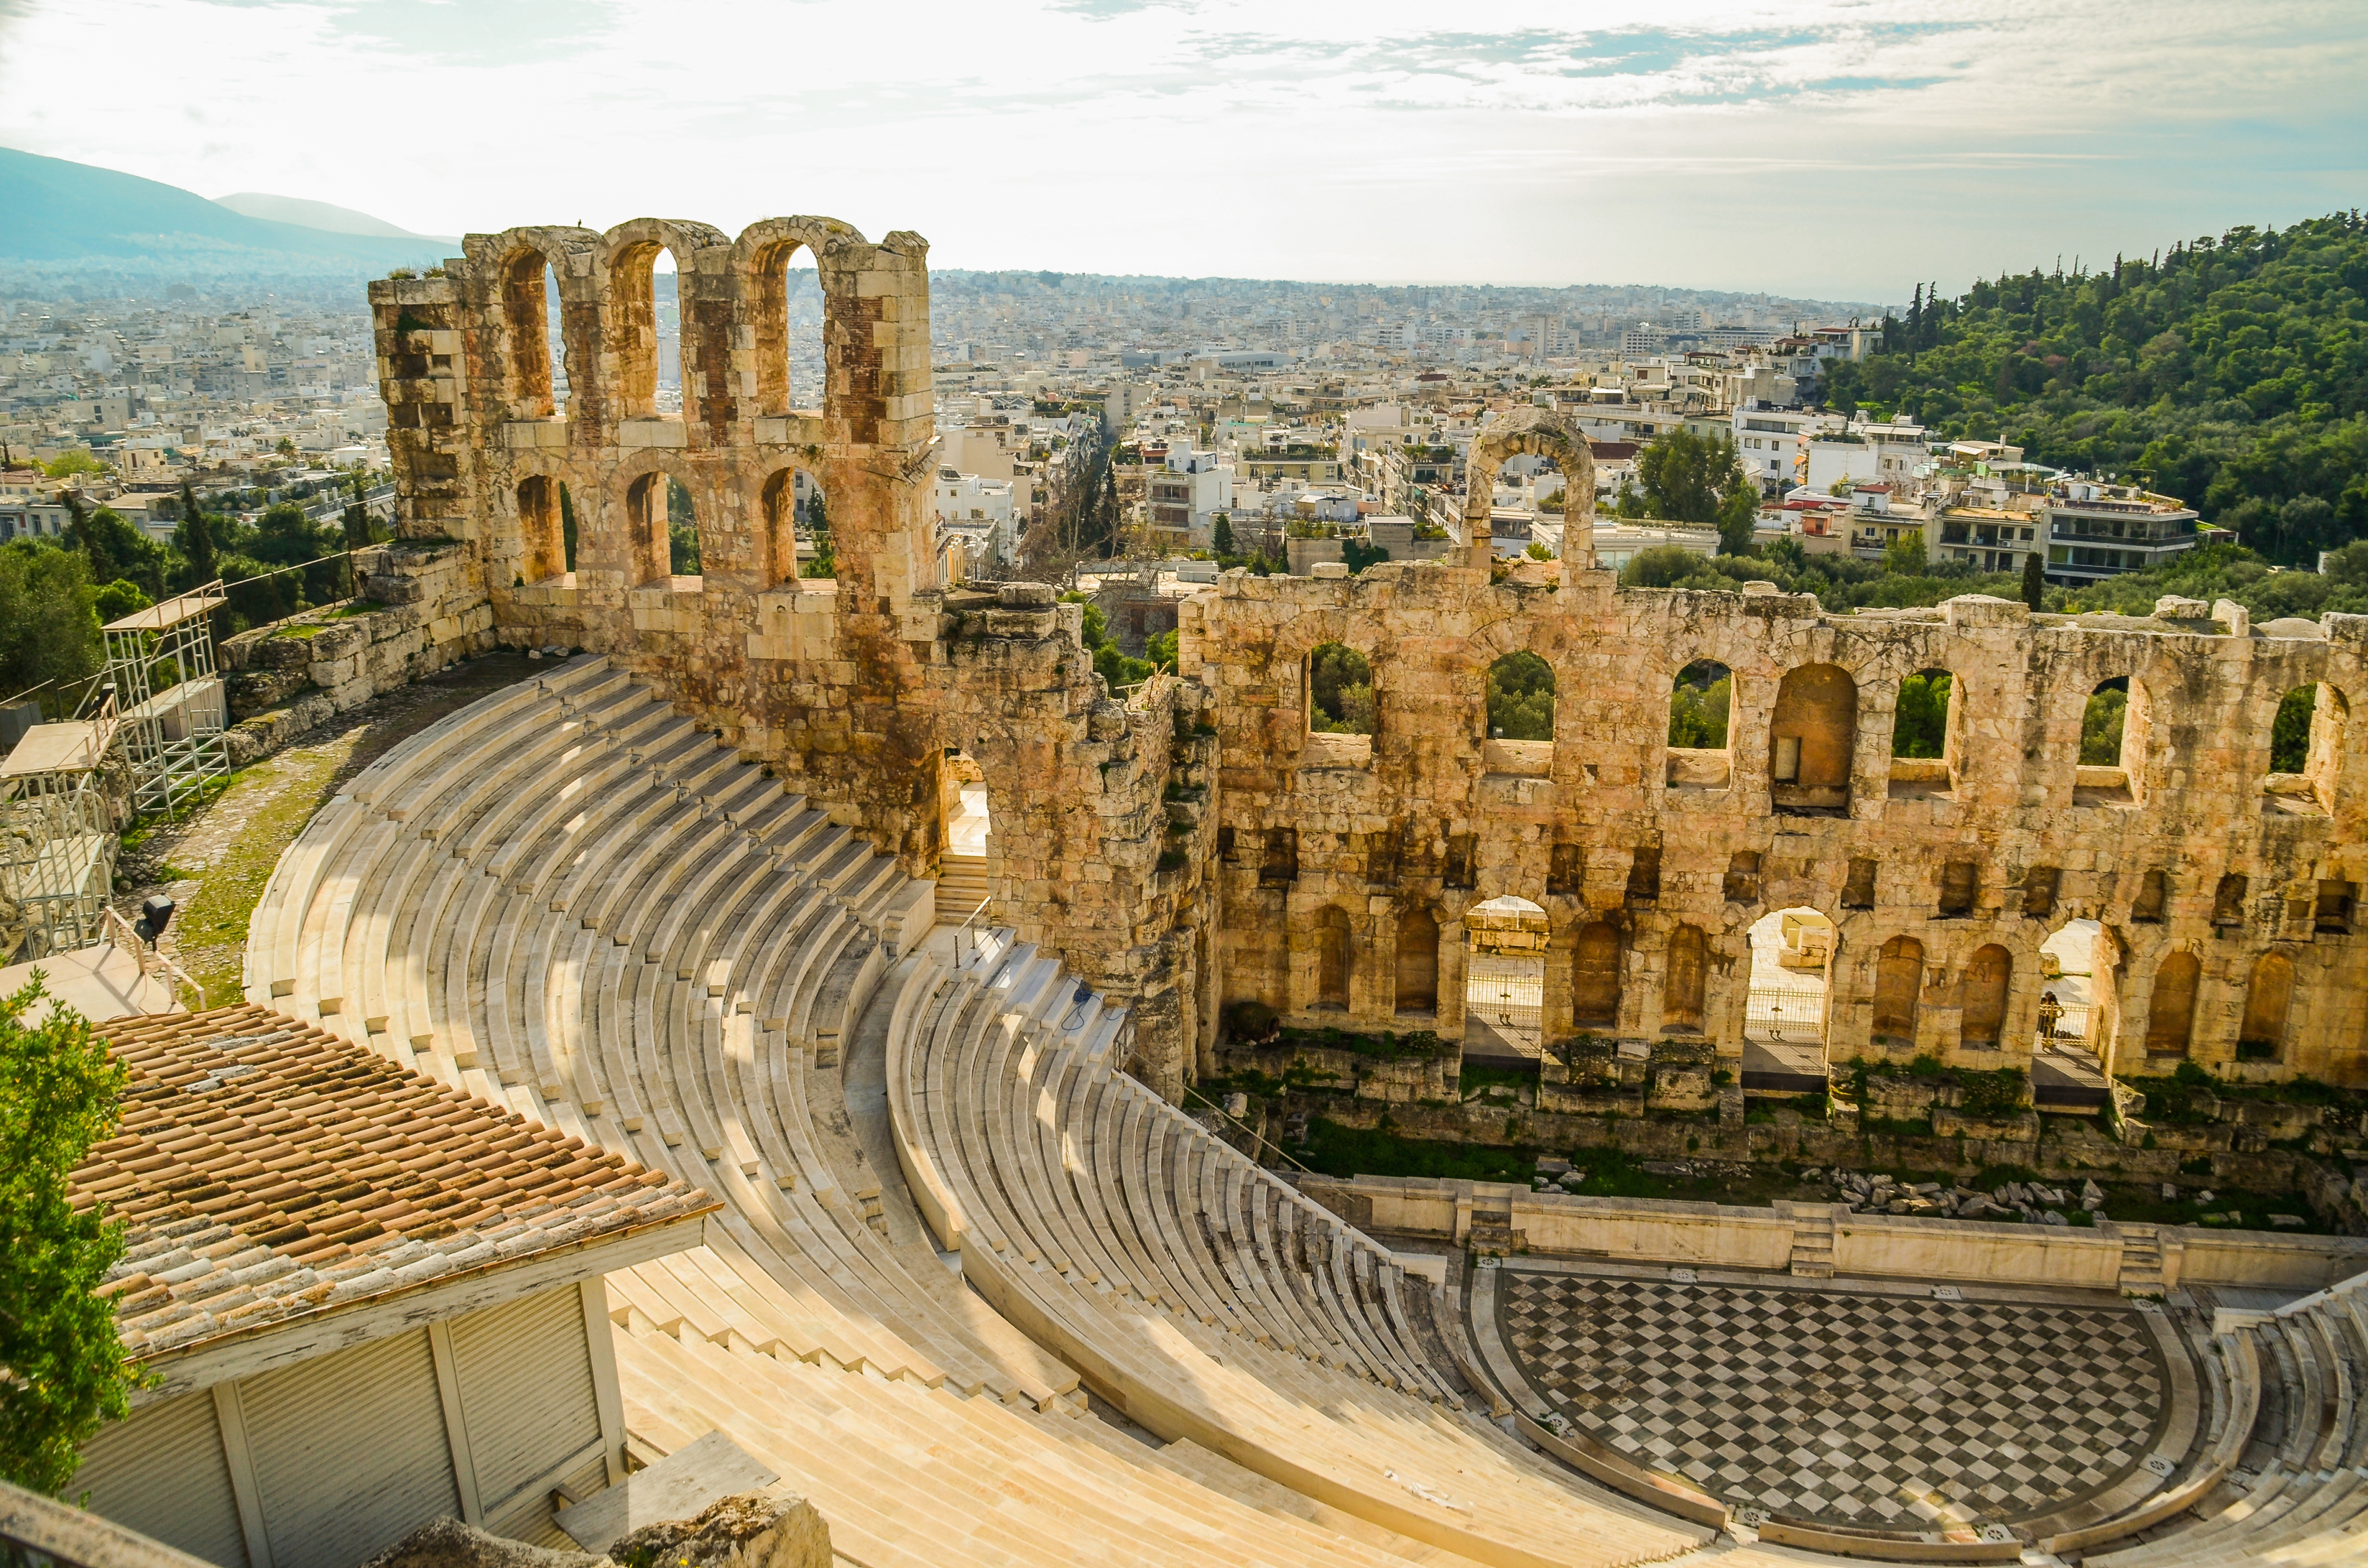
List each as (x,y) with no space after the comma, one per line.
(1812,1240)
(2141,1261)
(962,886)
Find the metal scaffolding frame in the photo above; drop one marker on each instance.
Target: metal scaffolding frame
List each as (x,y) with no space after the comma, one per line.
(57,839)
(160,663)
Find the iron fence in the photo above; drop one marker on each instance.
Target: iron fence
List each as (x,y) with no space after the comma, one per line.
(1784,1013)
(1508,993)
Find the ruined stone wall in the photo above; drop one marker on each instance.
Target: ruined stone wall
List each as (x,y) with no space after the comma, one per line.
(855,690)
(827,679)
(1627,844)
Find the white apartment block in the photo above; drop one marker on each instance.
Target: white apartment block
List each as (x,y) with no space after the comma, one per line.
(1185,495)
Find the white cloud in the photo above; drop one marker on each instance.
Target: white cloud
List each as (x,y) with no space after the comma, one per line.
(1835,146)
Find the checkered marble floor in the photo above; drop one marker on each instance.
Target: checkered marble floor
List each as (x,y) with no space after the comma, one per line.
(1882,1411)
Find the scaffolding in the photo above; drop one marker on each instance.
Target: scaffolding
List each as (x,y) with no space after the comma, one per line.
(57,839)
(160,665)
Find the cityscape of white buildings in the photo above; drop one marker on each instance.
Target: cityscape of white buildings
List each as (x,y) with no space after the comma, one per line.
(1081,415)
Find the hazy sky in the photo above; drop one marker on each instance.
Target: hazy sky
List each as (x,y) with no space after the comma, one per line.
(1833,148)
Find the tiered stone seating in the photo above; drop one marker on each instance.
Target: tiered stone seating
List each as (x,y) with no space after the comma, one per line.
(1208,1297)
(2286,1480)
(570,901)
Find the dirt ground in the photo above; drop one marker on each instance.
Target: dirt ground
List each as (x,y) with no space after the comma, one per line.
(214,860)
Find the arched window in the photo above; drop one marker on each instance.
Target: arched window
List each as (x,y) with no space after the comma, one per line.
(644,298)
(1699,700)
(2113,730)
(1925,755)
(1812,741)
(1681,993)
(1418,963)
(1899,989)
(648,553)
(529,293)
(555,327)
(1521,697)
(2170,1010)
(683,554)
(2306,750)
(1331,958)
(1923,720)
(1595,977)
(543,552)
(1990,979)
(2101,723)
(2268,998)
(1340,691)
(789,318)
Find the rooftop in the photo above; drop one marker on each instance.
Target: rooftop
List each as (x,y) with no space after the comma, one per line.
(267,1170)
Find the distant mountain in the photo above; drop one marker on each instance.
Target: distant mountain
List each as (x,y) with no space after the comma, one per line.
(323,215)
(55,214)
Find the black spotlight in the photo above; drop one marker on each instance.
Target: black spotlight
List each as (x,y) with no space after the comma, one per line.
(155,916)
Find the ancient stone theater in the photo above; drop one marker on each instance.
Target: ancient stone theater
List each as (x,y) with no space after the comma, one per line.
(992,1280)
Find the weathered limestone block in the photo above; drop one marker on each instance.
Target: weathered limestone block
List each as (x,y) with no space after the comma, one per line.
(768,1528)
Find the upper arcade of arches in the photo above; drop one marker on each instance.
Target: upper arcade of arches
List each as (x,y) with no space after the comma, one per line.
(732,328)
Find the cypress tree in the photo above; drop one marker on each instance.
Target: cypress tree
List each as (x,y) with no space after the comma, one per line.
(194,538)
(2034,580)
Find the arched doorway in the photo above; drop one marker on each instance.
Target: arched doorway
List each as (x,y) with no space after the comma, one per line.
(1504,978)
(2076,971)
(964,883)
(1784,1009)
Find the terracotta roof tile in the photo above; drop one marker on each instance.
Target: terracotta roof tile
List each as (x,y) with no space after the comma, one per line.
(265,1168)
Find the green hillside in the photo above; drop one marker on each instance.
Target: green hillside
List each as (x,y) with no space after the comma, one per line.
(2233,373)
(53,212)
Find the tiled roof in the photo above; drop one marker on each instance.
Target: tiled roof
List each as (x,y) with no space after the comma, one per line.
(266,1169)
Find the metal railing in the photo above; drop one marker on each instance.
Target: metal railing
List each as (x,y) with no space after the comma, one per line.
(1784,1013)
(981,945)
(153,964)
(1507,993)
(1257,1138)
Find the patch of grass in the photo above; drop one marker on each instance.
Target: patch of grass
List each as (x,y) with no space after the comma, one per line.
(2142,1203)
(1479,1075)
(1383,1045)
(306,629)
(1342,1151)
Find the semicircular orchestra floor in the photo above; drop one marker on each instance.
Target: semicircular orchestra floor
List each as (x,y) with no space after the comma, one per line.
(1884,1406)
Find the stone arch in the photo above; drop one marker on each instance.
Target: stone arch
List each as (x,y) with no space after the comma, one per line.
(1686,978)
(1538,432)
(1517,698)
(1988,985)
(542,540)
(2116,743)
(1899,989)
(1418,961)
(1701,726)
(2170,1004)
(1595,959)
(782,526)
(1329,934)
(2269,1002)
(2306,748)
(1812,740)
(761,258)
(642,505)
(629,256)
(526,333)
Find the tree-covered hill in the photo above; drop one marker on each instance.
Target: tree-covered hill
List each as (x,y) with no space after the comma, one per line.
(2233,373)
